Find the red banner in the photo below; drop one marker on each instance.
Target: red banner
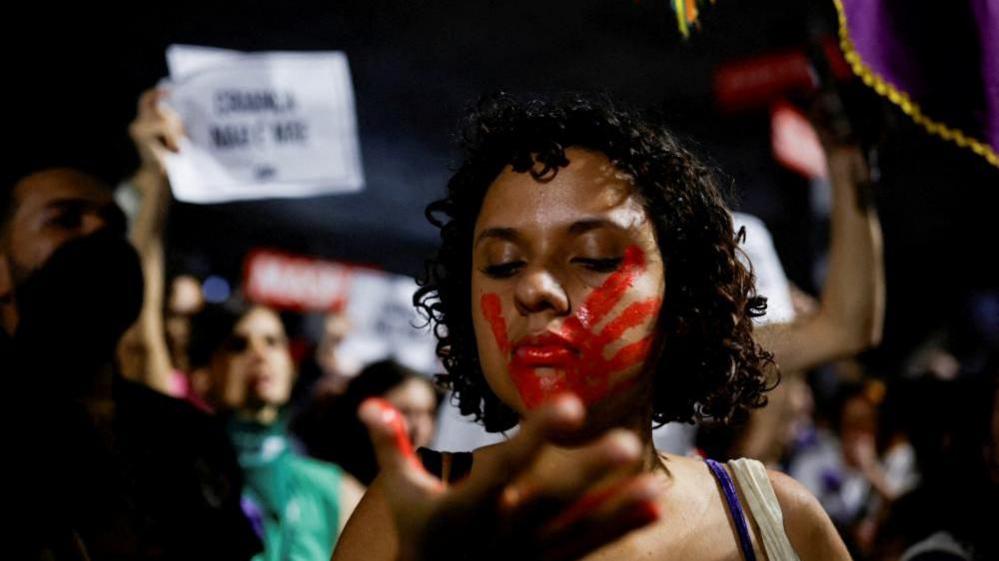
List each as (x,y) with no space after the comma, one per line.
(296,283)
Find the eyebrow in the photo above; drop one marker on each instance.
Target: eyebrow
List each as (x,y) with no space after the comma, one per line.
(113,216)
(68,203)
(77,204)
(577,228)
(508,234)
(583,226)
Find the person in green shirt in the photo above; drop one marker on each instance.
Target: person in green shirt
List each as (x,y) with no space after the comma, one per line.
(297,504)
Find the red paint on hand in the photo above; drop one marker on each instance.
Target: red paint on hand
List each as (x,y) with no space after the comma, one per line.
(585,505)
(645,512)
(397,423)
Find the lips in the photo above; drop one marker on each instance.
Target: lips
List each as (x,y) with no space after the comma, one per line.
(546,350)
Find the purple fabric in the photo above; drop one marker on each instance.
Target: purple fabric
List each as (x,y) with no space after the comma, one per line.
(919,48)
(253,513)
(871,27)
(734,507)
(987,16)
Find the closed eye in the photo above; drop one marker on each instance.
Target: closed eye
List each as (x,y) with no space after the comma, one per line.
(503,270)
(69,219)
(604,265)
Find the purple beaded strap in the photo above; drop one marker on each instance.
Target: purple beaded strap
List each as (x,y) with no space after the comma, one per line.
(734,507)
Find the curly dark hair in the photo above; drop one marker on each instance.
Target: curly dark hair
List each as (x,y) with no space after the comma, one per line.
(706,364)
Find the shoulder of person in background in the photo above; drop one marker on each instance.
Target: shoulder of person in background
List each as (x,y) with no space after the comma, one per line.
(187,469)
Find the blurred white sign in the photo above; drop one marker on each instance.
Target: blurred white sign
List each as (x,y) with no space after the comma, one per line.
(759,253)
(262,125)
(384,324)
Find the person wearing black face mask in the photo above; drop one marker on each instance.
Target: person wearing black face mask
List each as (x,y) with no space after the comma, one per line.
(104,468)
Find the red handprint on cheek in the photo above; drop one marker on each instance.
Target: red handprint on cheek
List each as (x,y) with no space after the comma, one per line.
(572,359)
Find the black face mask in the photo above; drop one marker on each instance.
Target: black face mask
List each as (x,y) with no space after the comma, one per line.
(73,310)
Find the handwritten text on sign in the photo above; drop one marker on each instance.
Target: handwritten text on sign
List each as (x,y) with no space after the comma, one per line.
(262,125)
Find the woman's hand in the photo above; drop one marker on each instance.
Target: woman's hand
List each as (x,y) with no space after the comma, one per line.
(522,504)
(155,131)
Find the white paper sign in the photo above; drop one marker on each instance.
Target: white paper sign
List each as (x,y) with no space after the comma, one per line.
(262,125)
(758,252)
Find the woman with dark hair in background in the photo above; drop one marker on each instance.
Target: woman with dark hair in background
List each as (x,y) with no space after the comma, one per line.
(298,505)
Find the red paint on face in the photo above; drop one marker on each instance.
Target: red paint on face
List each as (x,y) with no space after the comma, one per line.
(492,309)
(574,356)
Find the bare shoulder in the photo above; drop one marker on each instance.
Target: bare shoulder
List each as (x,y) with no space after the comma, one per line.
(807,525)
(370,533)
(685,463)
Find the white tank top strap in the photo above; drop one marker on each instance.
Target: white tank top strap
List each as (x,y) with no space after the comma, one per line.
(752,478)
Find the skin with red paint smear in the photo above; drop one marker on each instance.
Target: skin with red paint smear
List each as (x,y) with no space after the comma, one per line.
(398,424)
(586,505)
(577,351)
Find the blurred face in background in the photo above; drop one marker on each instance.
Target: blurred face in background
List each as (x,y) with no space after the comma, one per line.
(185,300)
(48,209)
(416,400)
(254,373)
(858,430)
(335,374)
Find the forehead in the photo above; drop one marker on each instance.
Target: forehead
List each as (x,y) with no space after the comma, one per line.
(589,187)
(42,189)
(413,390)
(260,320)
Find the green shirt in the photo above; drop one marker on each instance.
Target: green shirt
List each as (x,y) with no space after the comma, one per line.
(294,500)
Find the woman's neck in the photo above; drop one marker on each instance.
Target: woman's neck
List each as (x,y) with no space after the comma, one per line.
(638,425)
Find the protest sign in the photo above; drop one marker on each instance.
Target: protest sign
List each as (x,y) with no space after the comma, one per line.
(262,125)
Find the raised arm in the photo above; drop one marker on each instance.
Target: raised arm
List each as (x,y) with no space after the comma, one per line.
(155,131)
(851,311)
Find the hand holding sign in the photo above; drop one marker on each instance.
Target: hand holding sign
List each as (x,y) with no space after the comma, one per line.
(262,125)
(156,130)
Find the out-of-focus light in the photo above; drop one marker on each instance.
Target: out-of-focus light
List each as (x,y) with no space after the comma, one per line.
(216,289)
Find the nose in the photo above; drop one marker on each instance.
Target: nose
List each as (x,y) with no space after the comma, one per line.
(538,291)
(257,348)
(92,222)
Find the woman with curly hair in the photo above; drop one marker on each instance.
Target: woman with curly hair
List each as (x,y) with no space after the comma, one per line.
(587,286)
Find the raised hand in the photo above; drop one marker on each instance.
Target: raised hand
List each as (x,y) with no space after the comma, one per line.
(520,502)
(155,131)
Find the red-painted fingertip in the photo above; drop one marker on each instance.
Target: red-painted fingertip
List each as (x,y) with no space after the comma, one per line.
(646,512)
(378,410)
